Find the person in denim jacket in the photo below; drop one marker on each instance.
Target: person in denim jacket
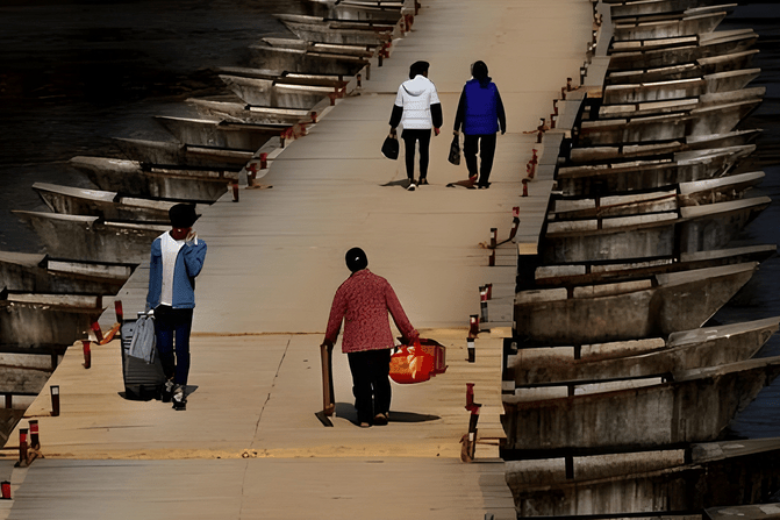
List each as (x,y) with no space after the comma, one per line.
(177,257)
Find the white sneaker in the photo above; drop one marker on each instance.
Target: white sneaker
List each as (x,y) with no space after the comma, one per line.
(412,186)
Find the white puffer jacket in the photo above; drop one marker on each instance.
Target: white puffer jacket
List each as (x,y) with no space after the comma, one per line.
(416,96)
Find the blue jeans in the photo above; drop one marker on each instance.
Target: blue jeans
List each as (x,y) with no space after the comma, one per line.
(172,328)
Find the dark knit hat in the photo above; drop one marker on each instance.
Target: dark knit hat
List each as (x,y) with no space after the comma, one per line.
(418,67)
(182,215)
(356,259)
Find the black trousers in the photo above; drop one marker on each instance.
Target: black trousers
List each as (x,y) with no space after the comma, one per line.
(410,137)
(486,146)
(370,383)
(172,328)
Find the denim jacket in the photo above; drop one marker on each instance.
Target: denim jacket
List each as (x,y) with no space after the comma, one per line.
(189,262)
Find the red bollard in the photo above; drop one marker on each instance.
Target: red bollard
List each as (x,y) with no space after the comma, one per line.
(22,445)
(568,84)
(35,441)
(525,187)
(118,312)
(489,291)
(493,237)
(492,258)
(97,331)
(473,325)
(470,349)
(235,191)
(483,305)
(87,354)
(359,80)
(6,490)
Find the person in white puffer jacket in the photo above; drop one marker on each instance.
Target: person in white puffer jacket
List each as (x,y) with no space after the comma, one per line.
(417,109)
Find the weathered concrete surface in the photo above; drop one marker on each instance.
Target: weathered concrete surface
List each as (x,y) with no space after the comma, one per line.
(753,512)
(717,43)
(275,260)
(221,134)
(278,60)
(168,182)
(686,350)
(698,228)
(708,475)
(174,153)
(703,66)
(620,8)
(695,407)
(31,272)
(656,307)
(29,319)
(688,25)
(649,174)
(265,92)
(90,238)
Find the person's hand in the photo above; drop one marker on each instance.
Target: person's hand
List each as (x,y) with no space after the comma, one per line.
(436,131)
(455,132)
(327,343)
(192,236)
(503,131)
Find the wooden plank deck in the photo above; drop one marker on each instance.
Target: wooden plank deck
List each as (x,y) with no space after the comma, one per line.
(249,445)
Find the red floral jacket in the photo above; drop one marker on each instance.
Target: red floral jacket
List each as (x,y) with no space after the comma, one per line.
(362,302)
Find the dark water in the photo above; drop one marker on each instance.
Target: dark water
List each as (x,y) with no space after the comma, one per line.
(74,74)
(761,297)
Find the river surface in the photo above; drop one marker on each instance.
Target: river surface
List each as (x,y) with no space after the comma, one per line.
(74,74)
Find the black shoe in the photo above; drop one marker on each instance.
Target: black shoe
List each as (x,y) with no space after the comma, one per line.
(422,182)
(380,419)
(167,392)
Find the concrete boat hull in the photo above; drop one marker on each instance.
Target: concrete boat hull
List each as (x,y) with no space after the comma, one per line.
(265,93)
(695,408)
(178,154)
(149,181)
(667,303)
(689,25)
(108,205)
(622,8)
(622,178)
(278,61)
(220,134)
(701,476)
(587,155)
(38,273)
(35,319)
(693,193)
(89,238)
(699,228)
(686,350)
(726,63)
(718,43)
(226,110)
(572,275)
(327,34)
(617,94)
(719,119)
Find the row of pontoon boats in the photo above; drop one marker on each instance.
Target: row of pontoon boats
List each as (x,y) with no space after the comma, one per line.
(617,388)
(95,238)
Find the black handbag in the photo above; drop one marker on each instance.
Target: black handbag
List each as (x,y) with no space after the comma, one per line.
(454,157)
(390,147)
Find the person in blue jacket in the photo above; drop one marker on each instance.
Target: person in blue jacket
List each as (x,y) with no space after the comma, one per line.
(177,258)
(481,113)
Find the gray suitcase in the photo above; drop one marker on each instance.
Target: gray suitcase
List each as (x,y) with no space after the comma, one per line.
(143,381)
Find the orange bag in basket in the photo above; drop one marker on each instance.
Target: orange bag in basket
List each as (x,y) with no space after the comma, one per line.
(411,365)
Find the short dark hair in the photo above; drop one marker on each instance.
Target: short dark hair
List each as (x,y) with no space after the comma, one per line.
(479,70)
(356,259)
(418,67)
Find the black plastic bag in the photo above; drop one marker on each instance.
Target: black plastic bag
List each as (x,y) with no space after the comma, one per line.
(390,147)
(454,157)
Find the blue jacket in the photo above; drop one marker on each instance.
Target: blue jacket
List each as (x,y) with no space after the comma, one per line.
(480,109)
(189,262)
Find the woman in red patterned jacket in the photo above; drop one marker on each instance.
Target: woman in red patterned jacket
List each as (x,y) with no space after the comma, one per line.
(362,302)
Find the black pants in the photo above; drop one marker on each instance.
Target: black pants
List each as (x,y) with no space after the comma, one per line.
(410,137)
(370,382)
(173,324)
(486,146)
